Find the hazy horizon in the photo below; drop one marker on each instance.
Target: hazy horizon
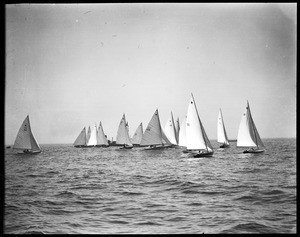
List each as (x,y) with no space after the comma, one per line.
(70,66)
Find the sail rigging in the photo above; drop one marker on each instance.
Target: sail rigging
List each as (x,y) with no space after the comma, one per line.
(25,139)
(137,136)
(101,138)
(196,137)
(153,134)
(248,135)
(81,139)
(122,134)
(170,130)
(93,137)
(221,132)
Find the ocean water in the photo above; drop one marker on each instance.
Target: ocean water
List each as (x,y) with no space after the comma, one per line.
(67,190)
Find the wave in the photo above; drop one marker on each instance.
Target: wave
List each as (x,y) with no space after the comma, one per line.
(251,228)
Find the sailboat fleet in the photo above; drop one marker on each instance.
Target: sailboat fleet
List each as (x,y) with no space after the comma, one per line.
(189,135)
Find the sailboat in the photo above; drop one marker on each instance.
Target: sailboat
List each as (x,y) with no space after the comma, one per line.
(170,130)
(137,136)
(122,134)
(81,139)
(197,141)
(93,137)
(222,136)
(182,133)
(101,138)
(248,135)
(25,140)
(154,137)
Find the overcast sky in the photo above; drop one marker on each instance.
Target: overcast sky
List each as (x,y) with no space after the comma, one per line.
(74,65)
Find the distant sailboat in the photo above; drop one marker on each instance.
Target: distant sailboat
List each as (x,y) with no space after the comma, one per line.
(248,135)
(222,136)
(93,138)
(81,139)
(25,140)
(177,129)
(154,137)
(182,133)
(138,135)
(196,138)
(122,134)
(101,138)
(170,130)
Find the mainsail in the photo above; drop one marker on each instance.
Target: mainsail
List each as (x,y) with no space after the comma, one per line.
(93,137)
(177,129)
(153,134)
(222,136)
(196,137)
(248,135)
(137,137)
(81,139)
(88,134)
(25,138)
(182,133)
(122,134)
(101,138)
(170,130)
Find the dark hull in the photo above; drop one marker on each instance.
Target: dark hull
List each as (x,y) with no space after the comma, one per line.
(196,153)
(102,145)
(29,153)
(126,147)
(158,147)
(224,146)
(253,151)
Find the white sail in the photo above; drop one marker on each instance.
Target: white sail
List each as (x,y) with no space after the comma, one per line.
(25,138)
(88,134)
(101,138)
(122,134)
(137,136)
(177,130)
(81,139)
(182,133)
(152,134)
(196,137)
(93,137)
(221,134)
(248,135)
(170,130)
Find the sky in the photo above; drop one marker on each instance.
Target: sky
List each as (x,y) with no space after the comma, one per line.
(70,66)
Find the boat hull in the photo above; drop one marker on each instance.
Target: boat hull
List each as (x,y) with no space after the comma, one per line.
(29,152)
(126,147)
(159,147)
(224,146)
(196,153)
(253,151)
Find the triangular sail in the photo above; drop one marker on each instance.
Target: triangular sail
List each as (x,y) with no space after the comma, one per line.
(122,134)
(25,138)
(177,129)
(182,133)
(222,136)
(88,134)
(101,139)
(170,130)
(152,134)
(93,137)
(81,139)
(138,135)
(248,135)
(196,137)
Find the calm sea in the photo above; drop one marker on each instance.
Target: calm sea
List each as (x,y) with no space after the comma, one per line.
(67,190)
